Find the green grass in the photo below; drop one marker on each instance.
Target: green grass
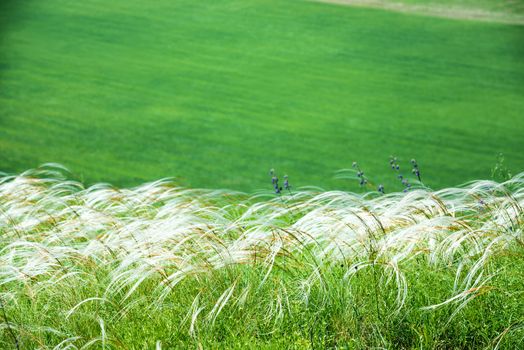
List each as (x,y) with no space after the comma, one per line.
(110,268)
(215,93)
(344,319)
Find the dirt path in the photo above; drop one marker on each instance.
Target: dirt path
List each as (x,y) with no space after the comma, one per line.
(436,10)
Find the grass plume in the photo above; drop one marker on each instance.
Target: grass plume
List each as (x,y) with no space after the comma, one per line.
(159,265)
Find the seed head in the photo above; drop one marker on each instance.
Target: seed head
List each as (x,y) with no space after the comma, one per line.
(286,183)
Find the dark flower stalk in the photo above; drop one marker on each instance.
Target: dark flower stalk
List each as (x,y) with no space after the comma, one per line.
(393,162)
(274,182)
(406,184)
(416,170)
(360,174)
(287,186)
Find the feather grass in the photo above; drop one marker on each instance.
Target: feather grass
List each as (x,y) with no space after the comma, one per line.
(115,251)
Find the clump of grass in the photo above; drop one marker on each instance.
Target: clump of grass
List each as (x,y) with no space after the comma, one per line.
(158,265)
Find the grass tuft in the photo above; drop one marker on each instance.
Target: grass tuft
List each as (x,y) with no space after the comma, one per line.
(163,266)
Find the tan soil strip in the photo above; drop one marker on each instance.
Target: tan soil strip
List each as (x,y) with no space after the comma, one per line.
(435,10)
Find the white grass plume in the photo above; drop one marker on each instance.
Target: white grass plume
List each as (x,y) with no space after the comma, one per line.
(52,228)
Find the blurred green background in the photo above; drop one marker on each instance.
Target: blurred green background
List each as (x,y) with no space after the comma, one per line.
(215,93)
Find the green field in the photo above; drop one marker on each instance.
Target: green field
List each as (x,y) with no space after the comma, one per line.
(214,93)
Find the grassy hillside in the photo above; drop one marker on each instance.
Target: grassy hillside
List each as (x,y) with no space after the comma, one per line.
(217,92)
(165,267)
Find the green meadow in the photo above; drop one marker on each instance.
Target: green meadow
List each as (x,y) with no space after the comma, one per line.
(215,93)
